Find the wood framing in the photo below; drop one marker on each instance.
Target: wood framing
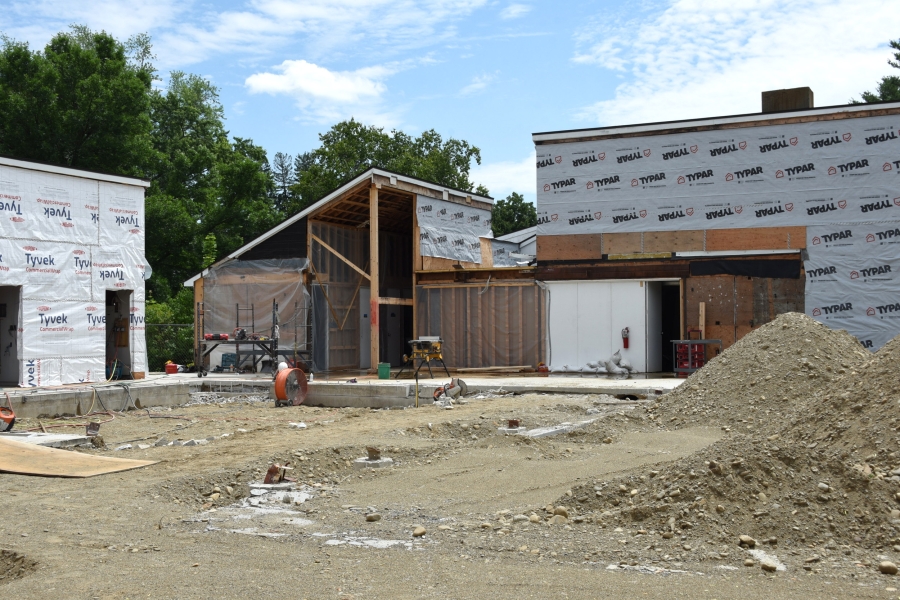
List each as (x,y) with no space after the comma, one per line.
(374,312)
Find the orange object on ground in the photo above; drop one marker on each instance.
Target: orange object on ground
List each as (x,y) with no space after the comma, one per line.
(290,387)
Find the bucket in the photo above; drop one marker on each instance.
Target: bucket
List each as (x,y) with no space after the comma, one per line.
(384,370)
(170,369)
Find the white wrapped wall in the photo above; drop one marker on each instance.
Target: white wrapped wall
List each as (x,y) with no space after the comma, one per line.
(65,240)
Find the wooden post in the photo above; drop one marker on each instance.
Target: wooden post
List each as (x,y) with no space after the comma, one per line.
(703,320)
(415,264)
(373,277)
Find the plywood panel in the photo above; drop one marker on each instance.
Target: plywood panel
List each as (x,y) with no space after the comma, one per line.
(431,263)
(673,241)
(569,247)
(764,238)
(487,255)
(621,243)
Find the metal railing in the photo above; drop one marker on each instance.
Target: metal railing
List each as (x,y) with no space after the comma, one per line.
(166,342)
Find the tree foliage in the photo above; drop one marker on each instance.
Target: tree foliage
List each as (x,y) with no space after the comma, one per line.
(888,89)
(350,147)
(512,214)
(79,103)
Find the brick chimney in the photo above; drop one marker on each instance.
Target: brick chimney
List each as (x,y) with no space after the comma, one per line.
(790,99)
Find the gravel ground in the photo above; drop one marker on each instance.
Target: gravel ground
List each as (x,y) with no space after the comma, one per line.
(502,516)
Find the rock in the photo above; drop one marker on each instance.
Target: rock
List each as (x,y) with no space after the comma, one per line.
(373,517)
(97,441)
(748,562)
(824,487)
(561,511)
(419,531)
(300,425)
(534,518)
(486,526)
(607,440)
(720,509)
(763,497)
(557,520)
(143,446)
(686,546)
(675,493)
(124,447)
(229,490)
(768,566)
(668,535)
(519,518)
(214,496)
(887,567)
(746,540)
(161,442)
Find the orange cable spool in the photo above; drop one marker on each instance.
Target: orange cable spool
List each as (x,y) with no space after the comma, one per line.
(291,387)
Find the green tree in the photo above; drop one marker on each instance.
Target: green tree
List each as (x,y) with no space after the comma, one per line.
(350,147)
(283,176)
(888,89)
(202,184)
(512,214)
(79,103)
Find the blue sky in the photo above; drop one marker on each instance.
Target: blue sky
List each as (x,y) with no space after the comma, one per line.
(490,72)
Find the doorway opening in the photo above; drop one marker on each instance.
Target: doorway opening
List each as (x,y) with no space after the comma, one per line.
(671,321)
(118,334)
(10,297)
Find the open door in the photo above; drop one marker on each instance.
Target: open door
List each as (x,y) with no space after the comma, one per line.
(118,334)
(10,297)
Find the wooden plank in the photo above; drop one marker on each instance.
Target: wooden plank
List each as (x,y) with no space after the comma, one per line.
(621,243)
(673,241)
(569,247)
(374,316)
(340,256)
(396,301)
(31,459)
(702,320)
(487,256)
(763,238)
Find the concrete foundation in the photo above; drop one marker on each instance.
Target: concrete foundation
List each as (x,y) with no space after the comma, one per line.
(368,463)
(51,440)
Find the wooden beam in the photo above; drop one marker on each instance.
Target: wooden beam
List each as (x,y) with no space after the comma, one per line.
(340,256)
(702,320)
(373,278)
(396,301)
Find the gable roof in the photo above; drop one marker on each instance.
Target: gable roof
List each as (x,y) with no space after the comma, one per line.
(335,194)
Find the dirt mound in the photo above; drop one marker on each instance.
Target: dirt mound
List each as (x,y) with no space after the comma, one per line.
(825,472)
(14,566)
(857,416)
(753,385)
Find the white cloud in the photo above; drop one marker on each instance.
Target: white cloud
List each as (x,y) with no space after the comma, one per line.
(479,83)
(704,57)
(326,95)
(503,178)
(514,11)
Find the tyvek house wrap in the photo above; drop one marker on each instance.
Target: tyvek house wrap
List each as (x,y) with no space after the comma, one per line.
(54,231)
(839,178)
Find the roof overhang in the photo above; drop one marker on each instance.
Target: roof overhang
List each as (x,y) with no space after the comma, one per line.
(33,166)
(572,135)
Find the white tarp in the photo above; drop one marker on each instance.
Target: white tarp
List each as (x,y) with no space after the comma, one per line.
(450,230)
(800,174)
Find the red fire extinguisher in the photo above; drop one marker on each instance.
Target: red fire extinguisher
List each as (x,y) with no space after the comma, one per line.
(625,338)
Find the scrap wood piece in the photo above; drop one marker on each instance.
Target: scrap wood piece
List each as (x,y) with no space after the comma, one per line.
(30,459)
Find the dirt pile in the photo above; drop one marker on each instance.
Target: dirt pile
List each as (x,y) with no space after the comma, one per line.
(823,470)
(14,566)
(753,385)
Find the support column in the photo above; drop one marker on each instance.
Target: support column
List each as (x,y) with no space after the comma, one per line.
(373,277)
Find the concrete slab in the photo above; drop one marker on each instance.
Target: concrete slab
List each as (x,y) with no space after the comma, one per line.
(368,463)
(556,429)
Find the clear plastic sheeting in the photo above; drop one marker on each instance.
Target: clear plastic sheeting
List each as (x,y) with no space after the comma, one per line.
(239,294)
(495,326)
